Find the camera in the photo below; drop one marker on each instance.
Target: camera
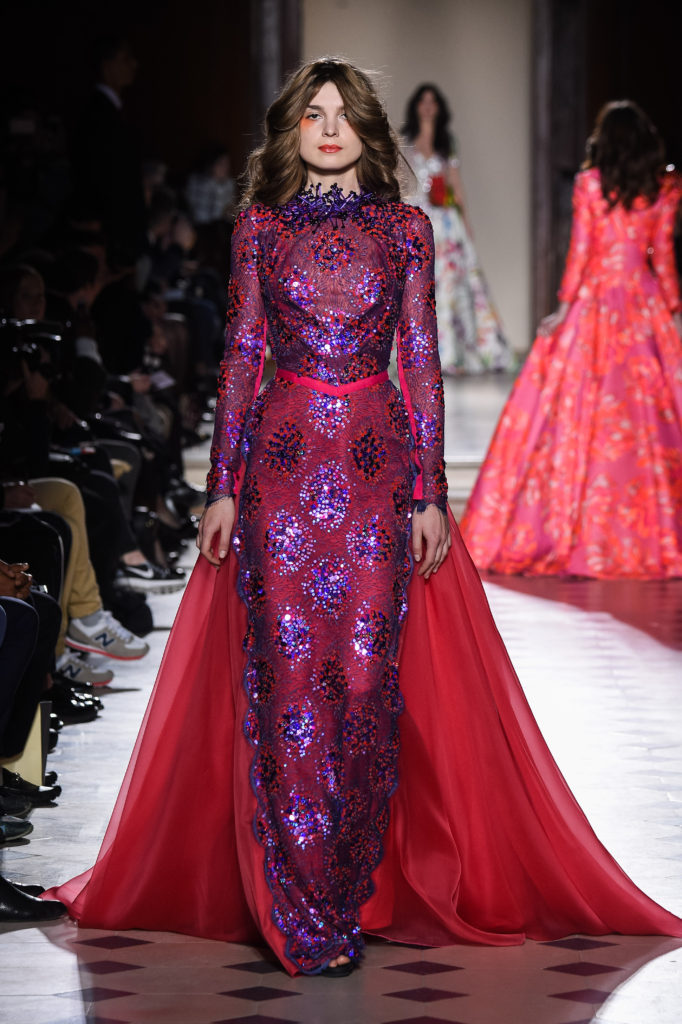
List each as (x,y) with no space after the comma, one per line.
(24,342)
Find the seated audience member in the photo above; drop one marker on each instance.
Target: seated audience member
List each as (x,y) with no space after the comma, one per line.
(35,420)
(37,681)
(211,190)
(86,626)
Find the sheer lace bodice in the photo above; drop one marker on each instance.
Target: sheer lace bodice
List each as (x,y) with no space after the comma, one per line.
(332,278)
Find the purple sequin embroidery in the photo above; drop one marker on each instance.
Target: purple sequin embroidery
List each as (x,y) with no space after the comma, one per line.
(287,542)
(325,495)
(306,819)
(293,635)
(329,586)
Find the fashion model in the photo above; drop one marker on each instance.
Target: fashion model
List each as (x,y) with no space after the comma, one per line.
(582,476)
(337,742)
(470,336)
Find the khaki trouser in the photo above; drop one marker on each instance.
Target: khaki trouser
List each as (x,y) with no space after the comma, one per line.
(80,593)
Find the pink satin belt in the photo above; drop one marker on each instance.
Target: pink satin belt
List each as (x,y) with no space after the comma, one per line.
(332,389)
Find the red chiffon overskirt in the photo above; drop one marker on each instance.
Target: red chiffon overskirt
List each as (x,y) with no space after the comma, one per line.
(486,843)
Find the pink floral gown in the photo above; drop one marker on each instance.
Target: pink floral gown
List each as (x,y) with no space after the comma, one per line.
(584,472)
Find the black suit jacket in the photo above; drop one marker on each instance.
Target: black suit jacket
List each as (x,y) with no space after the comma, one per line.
(107,175)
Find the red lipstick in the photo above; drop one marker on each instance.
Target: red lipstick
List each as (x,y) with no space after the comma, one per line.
(329,149)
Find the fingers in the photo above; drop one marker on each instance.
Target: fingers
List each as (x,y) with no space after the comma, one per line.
(205,544)
(435,534)
(417,539)
(214,532)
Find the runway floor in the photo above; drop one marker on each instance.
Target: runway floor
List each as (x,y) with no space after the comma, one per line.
(601,664)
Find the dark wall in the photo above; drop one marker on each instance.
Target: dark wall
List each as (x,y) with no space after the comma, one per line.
(634,51)
(195,78)
(587,52)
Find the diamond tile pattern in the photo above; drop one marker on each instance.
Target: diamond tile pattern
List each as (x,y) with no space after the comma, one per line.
(601,664)
(583,968)
(259,993)
(424,1020)
(109,967)
(113,942)
(256,1018)
(95,995)
(425,994)
(578,943)
(422,967)
(257,967)
(585,995)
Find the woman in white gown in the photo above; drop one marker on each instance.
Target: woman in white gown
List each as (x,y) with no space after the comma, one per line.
(470,337)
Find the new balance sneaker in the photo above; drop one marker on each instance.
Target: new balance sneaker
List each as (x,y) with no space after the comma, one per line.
(105,636)
(78,670)
(149,578)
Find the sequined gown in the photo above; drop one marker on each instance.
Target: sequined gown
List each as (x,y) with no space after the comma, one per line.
(583,475)
(323,528)
(262,799)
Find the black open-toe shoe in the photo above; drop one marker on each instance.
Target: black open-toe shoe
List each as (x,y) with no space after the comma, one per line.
(340,971)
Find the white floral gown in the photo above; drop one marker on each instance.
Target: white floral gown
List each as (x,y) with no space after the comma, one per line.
(470,337)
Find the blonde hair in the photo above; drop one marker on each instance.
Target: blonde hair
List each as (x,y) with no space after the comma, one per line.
(275,171)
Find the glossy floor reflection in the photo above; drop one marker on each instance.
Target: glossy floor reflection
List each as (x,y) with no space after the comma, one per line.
(602,667)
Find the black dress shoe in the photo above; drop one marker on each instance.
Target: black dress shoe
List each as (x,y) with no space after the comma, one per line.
(15,804)
(12,829)
(50,779)
(18,907)
(340,971)
(72,709)
(38,795)
(52,740)
(84,692)
(56,722)
(30,890)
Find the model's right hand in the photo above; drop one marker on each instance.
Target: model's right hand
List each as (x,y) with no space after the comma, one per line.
(217,521)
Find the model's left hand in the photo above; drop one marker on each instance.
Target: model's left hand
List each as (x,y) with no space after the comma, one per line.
(677,320)
(430,530)
(549,324)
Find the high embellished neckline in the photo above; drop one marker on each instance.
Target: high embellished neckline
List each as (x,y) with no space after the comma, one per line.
(334,202)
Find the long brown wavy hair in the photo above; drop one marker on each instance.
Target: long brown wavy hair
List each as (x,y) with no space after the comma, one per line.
(628,152)
(275,171)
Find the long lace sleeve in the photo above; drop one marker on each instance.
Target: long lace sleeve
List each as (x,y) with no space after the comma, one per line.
(663,256)
(242,358)
(419,364)
(581,236)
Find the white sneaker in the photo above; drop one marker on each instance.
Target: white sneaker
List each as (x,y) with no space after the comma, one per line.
(106,636)
(78,670)
(148,578)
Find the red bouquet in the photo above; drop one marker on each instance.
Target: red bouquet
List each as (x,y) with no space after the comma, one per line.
(440,193)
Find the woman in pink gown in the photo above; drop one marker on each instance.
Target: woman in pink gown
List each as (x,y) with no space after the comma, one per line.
(316,761)
(584,473)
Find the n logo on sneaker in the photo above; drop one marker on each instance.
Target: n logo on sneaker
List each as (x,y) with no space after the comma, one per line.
(70,670)
(104,639)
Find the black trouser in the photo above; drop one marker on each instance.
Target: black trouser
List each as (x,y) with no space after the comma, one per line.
(19,625)
(127,482)
(28,691)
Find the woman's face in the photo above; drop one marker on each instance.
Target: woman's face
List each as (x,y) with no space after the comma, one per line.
(327,141)
(427,106)
(29,300)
